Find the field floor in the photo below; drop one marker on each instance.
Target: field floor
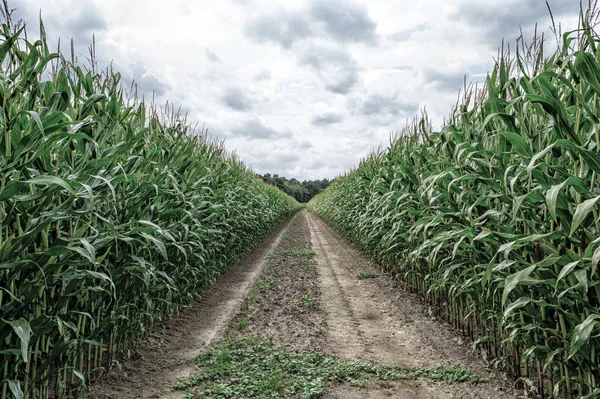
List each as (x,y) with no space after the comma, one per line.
(293,317)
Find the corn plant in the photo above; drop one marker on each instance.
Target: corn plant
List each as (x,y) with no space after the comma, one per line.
(113,216)
(494,218)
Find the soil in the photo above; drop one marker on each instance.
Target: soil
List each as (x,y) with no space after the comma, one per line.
(290,312)
(302,289)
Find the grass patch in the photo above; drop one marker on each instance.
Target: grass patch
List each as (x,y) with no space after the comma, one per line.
(367,275)
(255,368)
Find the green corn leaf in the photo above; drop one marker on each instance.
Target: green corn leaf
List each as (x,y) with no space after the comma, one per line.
(23,330)
(582,212)
(582,332)
(552,197)
(518,278)
(15,388)
(518,143)
(519,303)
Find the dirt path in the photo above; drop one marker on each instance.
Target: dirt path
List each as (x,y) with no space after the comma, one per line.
(306,289)
(164,356)
(372,320)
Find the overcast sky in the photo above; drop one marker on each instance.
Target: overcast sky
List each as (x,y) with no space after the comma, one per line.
(305,88)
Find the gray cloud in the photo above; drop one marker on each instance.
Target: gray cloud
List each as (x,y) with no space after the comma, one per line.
(380,105)
(444,80)
(327,118)
(344,84)
(305,144)
(236,99)
(255,129)
(336,68)
(344,20)
(282,27)
(145,81)
(340,20)
(212,57)
(502,20)
(88,22)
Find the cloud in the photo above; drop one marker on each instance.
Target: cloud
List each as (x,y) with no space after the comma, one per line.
(235,98)
(380,108)
(254,129)
(281,27)
(445,79)
(328,118)
(502,19)
(345,21)
(86,23)
(335,19)
(264,75)
(304,145)
(212,57)
(336,67)
(145,81)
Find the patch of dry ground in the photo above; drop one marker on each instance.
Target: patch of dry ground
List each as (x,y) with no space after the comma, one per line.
(285,304)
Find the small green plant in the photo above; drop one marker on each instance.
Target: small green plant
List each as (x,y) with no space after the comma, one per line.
(367,275)
(307,301)
(264,285)
(242,321)
(308,270)
(285,237)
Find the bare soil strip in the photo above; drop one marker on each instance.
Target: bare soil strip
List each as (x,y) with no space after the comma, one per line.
(286,302)
(156,364)
(373,320)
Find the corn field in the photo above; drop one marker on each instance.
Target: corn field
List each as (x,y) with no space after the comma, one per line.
(494,218)
(113,216)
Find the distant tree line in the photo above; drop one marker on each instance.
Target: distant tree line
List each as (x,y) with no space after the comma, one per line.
(301,191)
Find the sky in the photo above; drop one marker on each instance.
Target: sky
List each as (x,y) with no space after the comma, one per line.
(302,89)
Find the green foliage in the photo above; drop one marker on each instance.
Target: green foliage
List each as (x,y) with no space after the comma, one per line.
(301,191)
(494,219)
(255,368)
(367,275)
(306,301)
(111,218)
